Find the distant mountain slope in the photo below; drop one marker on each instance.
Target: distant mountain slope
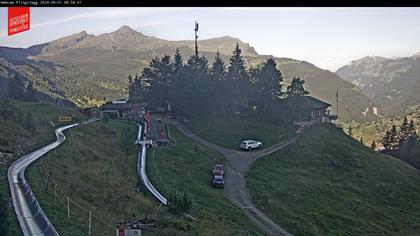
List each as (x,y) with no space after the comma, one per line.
(327,183)
(91,69)
(392,84)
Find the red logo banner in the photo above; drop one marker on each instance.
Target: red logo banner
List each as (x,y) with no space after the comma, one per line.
(18,20)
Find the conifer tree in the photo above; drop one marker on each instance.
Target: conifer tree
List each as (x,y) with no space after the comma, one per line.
(296,88)
(237,79)
(404,132)
(236,69)
(373,145)
(412,134)
(269,84)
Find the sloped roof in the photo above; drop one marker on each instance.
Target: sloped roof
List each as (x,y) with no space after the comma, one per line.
(120,106)
(314,102)
(117,106)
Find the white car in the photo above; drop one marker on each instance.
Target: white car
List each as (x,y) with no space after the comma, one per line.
(250,144)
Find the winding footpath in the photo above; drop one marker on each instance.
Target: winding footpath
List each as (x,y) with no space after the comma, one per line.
(31,217)
(236,191)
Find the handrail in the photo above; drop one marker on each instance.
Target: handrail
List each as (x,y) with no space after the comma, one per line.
(31,217)
(29,213)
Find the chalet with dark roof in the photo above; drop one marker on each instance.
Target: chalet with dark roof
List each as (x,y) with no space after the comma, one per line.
(314,110)
(119,109)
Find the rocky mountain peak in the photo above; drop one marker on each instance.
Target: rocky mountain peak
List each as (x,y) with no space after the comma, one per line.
(126,30)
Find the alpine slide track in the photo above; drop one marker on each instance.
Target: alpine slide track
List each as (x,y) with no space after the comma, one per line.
(33,220)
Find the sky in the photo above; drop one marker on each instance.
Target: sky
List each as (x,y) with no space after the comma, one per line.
(326,37)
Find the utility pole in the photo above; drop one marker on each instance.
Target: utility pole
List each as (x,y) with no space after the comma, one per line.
(68,208)
(90,223)
(337,104)
(196,47)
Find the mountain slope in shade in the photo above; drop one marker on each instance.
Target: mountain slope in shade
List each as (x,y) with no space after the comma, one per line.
(92,69)
(392,83)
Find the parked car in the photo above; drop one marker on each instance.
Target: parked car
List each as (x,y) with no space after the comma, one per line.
(250,144)
(218,170)
(218,181)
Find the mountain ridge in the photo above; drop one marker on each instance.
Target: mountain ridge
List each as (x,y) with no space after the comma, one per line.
(91,69)
(392,83)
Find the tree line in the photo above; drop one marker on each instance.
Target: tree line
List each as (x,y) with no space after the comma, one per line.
(195,88)
(403,142)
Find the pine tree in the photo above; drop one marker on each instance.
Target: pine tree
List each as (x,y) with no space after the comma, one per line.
(237,80)
(176,86)
(178,61)
(236,70)
(157,79)
(412,134)
(390,140)
(218,85)
(404,132)
(394,138)
(130,87)
(269,84)
(387,141)
(218,69)
(373,145)
(296,88)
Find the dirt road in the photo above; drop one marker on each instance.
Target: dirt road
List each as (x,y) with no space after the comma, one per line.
(235,186)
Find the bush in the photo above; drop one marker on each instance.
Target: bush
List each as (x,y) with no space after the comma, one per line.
(179,205)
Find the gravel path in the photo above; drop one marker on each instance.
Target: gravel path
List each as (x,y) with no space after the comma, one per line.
(235,186)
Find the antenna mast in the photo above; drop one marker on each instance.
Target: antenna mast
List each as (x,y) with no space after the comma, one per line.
(337,104)
(196,47)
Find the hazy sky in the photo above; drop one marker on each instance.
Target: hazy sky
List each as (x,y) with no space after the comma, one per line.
(327,37)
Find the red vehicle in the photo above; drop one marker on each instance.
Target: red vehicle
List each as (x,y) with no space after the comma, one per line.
(218,170)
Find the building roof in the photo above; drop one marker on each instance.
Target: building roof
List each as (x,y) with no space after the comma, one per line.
(314,102)
(117,106)
(121,106)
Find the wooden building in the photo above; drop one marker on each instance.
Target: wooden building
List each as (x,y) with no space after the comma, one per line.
(314,110)
(119,109)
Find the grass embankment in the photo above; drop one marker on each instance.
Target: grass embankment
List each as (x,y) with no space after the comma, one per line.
(186,168)
(229,131)
(24,127)
(28,125)
(92,169)
(314,187)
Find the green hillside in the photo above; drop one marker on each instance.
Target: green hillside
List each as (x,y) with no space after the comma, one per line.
(99,177)
(228,131)
(329,184)
(186,168)
(96,176)
(25,126)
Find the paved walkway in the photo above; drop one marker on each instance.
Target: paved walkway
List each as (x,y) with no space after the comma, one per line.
(239,164)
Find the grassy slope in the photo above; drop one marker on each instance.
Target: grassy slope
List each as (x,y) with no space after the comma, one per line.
(229,131)
(13,134)
(300,189)
(13,131)
(186,168)
(94,172)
